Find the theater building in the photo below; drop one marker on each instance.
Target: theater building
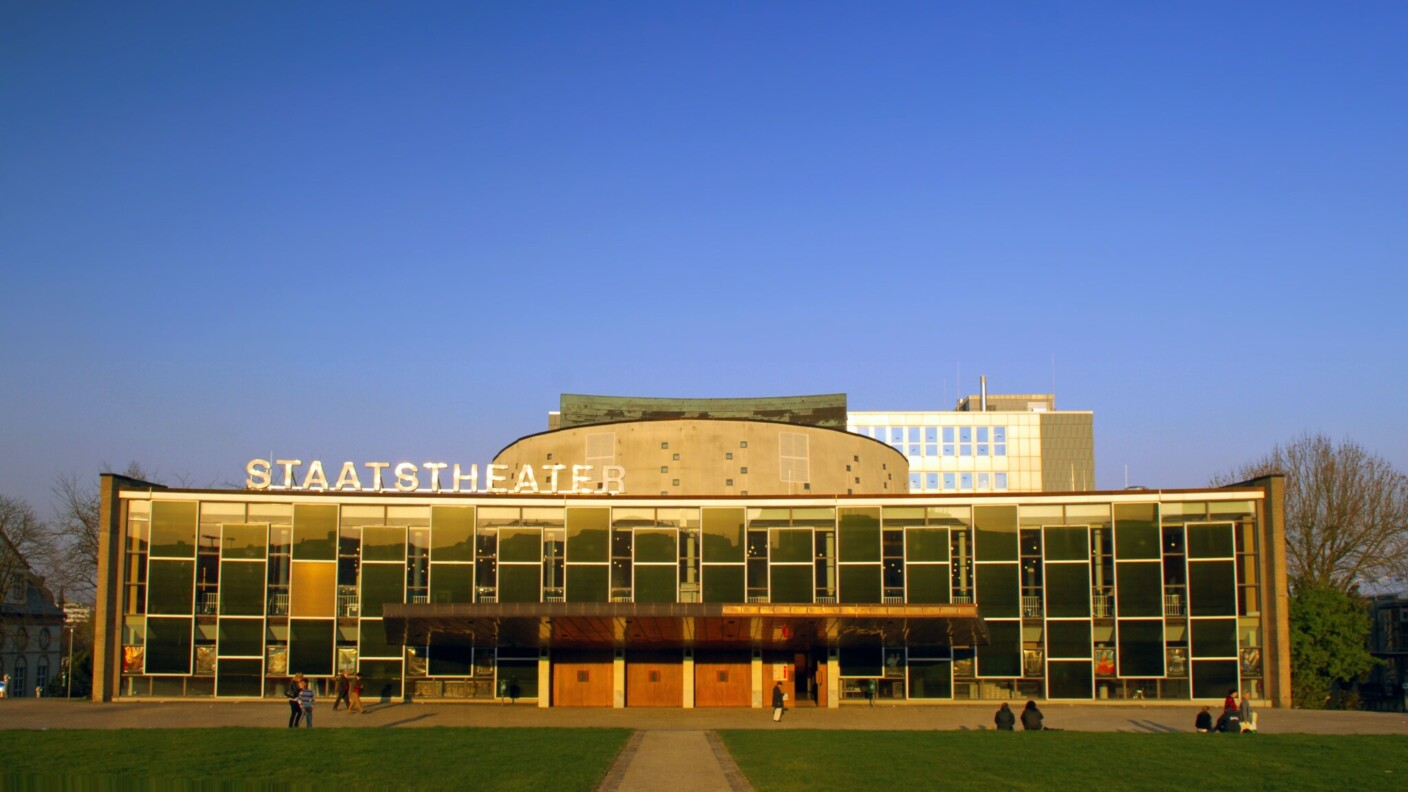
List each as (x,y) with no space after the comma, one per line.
(623,569)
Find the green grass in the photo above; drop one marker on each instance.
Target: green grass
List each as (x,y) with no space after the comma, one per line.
(411,759)
(808,760)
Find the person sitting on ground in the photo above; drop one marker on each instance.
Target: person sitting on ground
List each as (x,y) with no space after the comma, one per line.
(1204,721)
(1230,721)
(1231,701)
(1032,717)
(1004,718)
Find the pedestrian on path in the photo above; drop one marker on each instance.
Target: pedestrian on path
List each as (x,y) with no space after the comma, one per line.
(295,712)
(778,699)
(355,705)
(306,700)
(344,688)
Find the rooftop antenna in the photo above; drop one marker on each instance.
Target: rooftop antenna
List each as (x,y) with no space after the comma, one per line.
(1126,476)
(1053,377)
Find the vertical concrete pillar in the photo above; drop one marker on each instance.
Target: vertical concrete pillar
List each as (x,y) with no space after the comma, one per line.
(544,678)
(618,679)
(688,672)
(833,679)
(757,678)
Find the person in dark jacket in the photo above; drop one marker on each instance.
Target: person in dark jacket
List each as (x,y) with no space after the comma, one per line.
(295,713)
(344,688)
(1203,723)
(1004,718)
(778,700)
(1031,717)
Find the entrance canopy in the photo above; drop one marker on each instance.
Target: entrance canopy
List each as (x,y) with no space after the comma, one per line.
(616,625)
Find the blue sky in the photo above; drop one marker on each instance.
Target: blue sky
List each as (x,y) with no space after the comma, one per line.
(398,231)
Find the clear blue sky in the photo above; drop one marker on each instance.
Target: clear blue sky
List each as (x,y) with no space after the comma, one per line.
(375,231)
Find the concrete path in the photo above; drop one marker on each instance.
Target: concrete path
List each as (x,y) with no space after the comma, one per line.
(1153,717)
(679,761)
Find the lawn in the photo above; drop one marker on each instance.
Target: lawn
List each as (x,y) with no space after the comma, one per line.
(808,760)
(411,759)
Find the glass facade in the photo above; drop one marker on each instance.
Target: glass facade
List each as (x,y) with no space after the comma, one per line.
(1147,596)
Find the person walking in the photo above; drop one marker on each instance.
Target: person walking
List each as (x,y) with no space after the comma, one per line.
(306,700)
(344,688)
(1004,719)
(1032,717)
(295,712)
(778,699)
(355,705)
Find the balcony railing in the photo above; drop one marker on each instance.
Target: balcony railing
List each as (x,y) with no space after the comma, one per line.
(1173,605)
(1031,607)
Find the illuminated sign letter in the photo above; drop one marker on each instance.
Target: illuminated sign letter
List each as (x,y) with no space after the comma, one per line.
(316,478)
(526,480)
(613,474)
(581,475)
(406,480)
(288,465)
(553,470)
(472,477)
(377,467)
(435,468)
(490,478)
(348,478)
(258,474)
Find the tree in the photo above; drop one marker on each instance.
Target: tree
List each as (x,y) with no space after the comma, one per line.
(1346,512)
(1327,644)
(25,543)
(77,532)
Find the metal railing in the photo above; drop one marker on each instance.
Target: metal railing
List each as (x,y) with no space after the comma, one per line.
(1031,607)
(1173,605)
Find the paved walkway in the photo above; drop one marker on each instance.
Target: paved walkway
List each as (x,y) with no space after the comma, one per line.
(1153,717)
(680,761)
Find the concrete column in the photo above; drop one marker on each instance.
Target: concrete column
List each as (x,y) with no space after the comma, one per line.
(833,679)
(618,679)
(688,672)
(757,679)
(544,678)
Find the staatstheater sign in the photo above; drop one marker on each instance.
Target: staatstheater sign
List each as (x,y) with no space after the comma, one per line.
(292,474)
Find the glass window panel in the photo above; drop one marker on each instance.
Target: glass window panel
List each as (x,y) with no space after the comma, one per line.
(790,545)
(451,583)
(244,541)
(384,543)
(242,588)
(520,582)
(241,638)
(520,544)
(173,529)
(1210,541)
(239,678)
(655,583)
(451,660)
(382,583)
(587,583)
(1040,515)
(1067,590)
(1069,680)
(1067,542)
(411,516)
(927,583)
(860,583)
(998,590)
(452,533)
(952,517)
(1068,639)
(655,545)
(1002,657)
(794,584)
(381,680)
(903,516)
(520,676)
(168,647)
(926,544)
(310,646)
(996,533)
(723,583)
(313,589)
(1231,510)
(1213,637)
(860,535)
(1136,530)
(862,661)
(371,639)
(1141,648)
(314,532)
(588,536)
(1179,513)
(930,679)
(1212,588)
(1213,678)
(170,586)
(723,535)
(1140,591)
